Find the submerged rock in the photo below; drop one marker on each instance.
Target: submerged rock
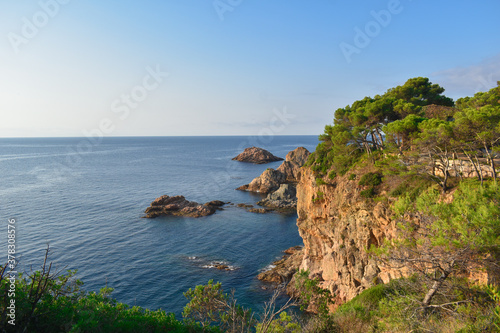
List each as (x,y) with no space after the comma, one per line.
(179,206)
(259,210)
(242,205)
(256,155)
(222,267)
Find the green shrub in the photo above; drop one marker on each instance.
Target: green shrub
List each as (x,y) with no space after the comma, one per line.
(319,196)
(55,304)
(399,190)
(310,293)
(352,176)
(209,306)
(332,174)
(371,178)
(283,324)
(368,193)
(320,181)
(396,307)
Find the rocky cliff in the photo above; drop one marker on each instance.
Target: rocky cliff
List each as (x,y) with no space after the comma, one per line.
(338,226)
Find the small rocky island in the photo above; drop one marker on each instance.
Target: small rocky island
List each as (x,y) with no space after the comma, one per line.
(179,206)
(279,185)
(257,156)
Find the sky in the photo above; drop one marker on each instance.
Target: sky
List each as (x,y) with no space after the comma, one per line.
(228,67)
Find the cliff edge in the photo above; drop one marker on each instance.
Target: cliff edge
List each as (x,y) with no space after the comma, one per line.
(338,226)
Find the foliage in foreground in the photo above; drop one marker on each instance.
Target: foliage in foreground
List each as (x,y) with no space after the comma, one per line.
(48,300)
(396,307)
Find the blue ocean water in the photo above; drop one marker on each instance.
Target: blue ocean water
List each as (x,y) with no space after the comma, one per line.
(86,197)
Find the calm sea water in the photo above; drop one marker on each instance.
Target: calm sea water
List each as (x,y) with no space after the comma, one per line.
(86,200)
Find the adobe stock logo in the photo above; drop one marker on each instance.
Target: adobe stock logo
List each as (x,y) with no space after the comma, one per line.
(372,29)
(223,6)
(31,27)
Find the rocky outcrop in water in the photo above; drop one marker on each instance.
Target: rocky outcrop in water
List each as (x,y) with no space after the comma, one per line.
(282,270)
(270,180)
(179,206)
(256,155)
(283,199)
(279,185)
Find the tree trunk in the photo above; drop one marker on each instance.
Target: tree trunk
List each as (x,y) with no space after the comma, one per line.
(435,287)
(379,135)
(428,297)
(480,171)
(473,164)
(491,160)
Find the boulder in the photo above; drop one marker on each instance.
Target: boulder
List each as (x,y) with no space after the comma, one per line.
(256,155)
(179,206)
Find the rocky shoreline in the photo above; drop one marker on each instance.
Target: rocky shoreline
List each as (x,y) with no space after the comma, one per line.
(282,270)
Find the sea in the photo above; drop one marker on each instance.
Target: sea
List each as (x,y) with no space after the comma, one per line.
(85,199)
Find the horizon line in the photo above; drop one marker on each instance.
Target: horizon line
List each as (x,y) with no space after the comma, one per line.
(145,136)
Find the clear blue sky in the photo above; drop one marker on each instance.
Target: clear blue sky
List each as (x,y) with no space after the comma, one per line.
(235,67)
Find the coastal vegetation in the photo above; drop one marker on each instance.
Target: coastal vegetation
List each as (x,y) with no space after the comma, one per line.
(52,301)
(433,163)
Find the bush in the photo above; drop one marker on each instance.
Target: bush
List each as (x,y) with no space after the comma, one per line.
(401,189)
(371,178)
(209,305)
(396,307)
(319,197)
(368,193)
(352,176)
(311,294)
(283,324)
(48,301)
(320,181)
